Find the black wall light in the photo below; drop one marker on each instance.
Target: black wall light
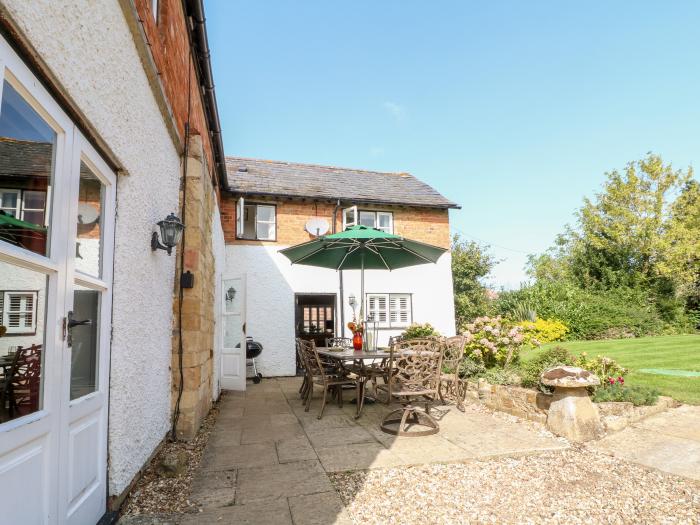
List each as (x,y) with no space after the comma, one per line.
(170,232)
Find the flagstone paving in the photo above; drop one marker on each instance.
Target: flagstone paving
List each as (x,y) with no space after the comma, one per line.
(669,442)
(270,462)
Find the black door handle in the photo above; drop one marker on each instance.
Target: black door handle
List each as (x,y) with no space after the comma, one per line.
(73,323)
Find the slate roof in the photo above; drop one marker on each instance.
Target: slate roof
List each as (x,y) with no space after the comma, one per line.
(294,180)
(25,158)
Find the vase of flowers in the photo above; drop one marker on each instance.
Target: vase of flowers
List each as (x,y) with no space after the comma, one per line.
(357,330)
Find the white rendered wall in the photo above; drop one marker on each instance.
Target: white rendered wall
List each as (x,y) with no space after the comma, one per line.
(219,251)
(90,49)
(272,282)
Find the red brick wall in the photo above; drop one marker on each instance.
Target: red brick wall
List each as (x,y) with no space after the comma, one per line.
(421,224)
(169,45)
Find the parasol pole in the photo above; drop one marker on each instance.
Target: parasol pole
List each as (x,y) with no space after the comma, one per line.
(362,296)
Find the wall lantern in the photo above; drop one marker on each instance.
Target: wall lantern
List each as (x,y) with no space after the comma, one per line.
(230,294)
(170,232)
(352,301)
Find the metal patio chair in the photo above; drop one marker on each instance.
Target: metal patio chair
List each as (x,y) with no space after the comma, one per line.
(450,383)
(414,373)
(320,374)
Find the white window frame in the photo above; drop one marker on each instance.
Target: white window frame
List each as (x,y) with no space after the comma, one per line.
(21,208)
(377,214)
(356,217)
(391,221)
(273,222)
(18,207)
(389,299)
(240,220)
(5,311)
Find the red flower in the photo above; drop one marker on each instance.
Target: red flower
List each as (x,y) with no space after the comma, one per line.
(611,380)
(620,380)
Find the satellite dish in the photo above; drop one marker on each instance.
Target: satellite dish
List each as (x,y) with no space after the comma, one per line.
(317,226)
(88,214)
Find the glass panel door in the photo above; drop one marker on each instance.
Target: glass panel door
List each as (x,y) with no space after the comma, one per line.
(27,144)
(23,295)
(84,323)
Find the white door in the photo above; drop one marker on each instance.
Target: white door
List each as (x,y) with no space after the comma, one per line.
(56,238)
(233,369)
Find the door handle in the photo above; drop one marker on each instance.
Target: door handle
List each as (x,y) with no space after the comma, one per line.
(72,323)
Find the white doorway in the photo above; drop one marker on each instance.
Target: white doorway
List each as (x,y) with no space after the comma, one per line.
(233,330)
(57,200)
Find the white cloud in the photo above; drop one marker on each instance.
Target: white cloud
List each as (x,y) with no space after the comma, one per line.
(395,110)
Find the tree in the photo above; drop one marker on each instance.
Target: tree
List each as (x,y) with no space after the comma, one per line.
(681,244)
(471,262)
(620,236)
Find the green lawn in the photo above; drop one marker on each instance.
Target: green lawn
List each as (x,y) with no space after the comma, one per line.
(678,352)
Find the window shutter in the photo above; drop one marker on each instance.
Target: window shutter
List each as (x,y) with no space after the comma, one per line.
(377,309)
(400,309)
(240,216)
(349,217)
(18,312)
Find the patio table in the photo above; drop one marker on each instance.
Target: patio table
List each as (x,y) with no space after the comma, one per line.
(359,356)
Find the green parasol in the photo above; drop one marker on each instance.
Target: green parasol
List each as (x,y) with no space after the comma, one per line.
(361,248)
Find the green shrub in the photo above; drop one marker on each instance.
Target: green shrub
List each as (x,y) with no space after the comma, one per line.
(531,371)
(603,367)
(491,341)
(502,376)
(416,331)
(593,314)
(543,331)
(637,395)
(471,368)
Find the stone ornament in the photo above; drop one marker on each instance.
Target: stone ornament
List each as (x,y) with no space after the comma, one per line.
(572,414)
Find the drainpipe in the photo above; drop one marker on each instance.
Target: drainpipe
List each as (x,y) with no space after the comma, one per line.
(341,300)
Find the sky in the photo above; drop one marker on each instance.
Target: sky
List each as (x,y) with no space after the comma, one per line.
(513,109)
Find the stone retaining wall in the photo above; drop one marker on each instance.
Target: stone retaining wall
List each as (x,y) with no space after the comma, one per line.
(532,405)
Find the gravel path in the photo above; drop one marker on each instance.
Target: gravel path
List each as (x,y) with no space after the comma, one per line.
(572,486)
(156,495)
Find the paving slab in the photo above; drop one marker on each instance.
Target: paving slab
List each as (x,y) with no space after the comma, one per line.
(225,435)
(325,508)
(328,437)
(275,512)
(295,449)
(668,442)
(214,489)
(230,457)
(358,456)
(271,433)
(280,481)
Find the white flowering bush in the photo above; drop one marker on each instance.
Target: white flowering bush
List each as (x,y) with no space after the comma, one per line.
(492,342)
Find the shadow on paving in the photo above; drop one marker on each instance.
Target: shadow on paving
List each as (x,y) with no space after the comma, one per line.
(268,461)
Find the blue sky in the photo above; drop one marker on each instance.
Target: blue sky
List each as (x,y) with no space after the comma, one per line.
(513,109)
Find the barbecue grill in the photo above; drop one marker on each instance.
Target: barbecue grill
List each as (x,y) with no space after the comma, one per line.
(253,350)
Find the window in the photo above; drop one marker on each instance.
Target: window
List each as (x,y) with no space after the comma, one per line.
(390,310)
(26,205)
(381,220)
(10,202)
(18,312)
(256,221)
(349,217)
